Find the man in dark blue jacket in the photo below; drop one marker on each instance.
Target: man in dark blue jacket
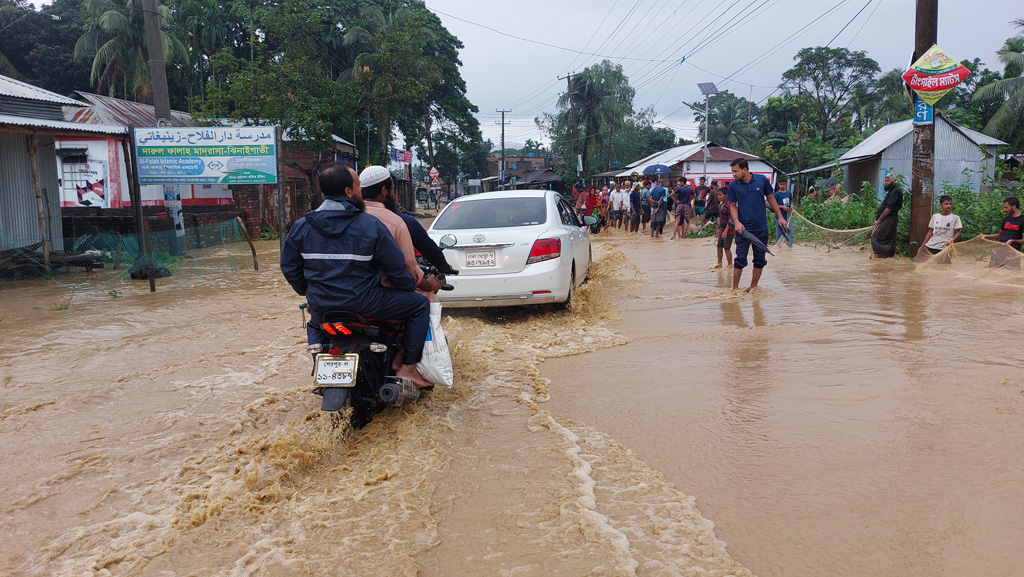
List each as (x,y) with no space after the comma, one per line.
(335,256)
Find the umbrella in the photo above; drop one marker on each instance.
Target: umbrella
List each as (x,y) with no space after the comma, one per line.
(755,241)
(787,233)
(657,169)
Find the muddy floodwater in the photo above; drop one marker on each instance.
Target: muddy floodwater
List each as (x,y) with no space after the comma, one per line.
(850,418)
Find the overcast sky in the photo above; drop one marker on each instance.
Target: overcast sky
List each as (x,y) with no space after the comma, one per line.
(649,37)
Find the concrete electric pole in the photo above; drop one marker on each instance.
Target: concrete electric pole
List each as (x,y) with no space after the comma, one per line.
(572,122)
(922,188)
(501,165)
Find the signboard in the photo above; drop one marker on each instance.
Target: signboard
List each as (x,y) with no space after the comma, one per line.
(935,74)
(923,112)
(473,182)
(435,181)
(199,155)
(434,172)
(89,182)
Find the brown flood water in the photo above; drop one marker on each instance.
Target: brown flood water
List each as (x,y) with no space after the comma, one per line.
(854,418)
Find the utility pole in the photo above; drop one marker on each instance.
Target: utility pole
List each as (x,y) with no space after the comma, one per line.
(157,67)
(572,121)
(922,188)
(501,164)
(799,136)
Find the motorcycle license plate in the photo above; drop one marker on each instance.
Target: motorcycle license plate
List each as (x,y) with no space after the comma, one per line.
(480,258)
(336,370)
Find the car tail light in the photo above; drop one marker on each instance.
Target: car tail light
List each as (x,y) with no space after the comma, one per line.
(545,249)
(336,329)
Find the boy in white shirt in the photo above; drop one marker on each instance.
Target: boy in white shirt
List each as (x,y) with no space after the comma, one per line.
(944,228)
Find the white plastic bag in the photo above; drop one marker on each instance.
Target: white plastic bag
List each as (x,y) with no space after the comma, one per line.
(436,364)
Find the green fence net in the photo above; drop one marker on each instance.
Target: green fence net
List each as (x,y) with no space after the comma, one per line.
(102,260)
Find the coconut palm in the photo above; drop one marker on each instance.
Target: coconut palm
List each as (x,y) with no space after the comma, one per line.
(1009,116)
(209,27)
(115,37)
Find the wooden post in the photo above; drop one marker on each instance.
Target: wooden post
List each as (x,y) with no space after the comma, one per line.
(245,233)
(132,163)
(922,188)
(32,143)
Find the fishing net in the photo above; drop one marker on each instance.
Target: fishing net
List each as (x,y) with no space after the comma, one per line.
(977,257)
(104,260)
(807,233)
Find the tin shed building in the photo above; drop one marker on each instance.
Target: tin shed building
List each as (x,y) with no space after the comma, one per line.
(31,119)
(962,156)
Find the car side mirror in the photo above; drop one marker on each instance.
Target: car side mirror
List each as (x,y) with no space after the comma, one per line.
(448,241)
(589,220)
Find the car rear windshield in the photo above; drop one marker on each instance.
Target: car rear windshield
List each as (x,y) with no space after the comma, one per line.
(493,213)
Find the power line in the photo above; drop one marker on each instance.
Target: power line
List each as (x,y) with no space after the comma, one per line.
(549,45)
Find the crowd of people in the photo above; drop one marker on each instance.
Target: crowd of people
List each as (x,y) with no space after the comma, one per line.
(729,207)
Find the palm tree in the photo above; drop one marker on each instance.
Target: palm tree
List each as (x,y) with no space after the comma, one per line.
(730,122)
(210,28)
(1010,114)
(601,97)
(114,35)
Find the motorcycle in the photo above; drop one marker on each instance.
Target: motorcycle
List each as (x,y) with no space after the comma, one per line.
(354,367)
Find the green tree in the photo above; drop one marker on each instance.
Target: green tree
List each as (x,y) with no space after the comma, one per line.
(114,37)
(832,77)
(390,72)
(1007,121)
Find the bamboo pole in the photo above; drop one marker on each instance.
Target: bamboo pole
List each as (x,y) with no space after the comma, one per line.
(245,233)
(32,144)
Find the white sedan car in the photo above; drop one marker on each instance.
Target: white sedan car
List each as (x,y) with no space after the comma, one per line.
(513,247)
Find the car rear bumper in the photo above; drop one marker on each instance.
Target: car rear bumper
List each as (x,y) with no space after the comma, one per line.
(539,283)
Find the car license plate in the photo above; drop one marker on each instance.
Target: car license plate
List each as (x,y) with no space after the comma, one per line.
(336,370)
(480,258)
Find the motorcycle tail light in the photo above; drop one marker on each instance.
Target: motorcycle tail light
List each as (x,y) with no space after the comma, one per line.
(378,347)
(545,249)
(315,348)
(336,329)
(334,351)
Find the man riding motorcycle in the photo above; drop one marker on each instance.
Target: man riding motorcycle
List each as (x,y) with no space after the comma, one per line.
(336,257)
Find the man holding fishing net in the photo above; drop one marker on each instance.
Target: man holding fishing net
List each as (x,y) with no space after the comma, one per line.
(746,197)
(1012,233)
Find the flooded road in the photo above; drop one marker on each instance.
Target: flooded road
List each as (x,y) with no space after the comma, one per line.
(852,418)
(856,417)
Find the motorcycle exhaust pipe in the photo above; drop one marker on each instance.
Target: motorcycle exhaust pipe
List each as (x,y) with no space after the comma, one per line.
(398,390)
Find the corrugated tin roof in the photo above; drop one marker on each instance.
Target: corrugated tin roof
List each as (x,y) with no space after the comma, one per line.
(667,157)
(61,125)
(879,141)
(720,154)
(19,89)
(890,133)
(107,110)
(978,137)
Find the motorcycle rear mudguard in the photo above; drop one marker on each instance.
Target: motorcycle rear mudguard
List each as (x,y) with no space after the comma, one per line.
(334,398)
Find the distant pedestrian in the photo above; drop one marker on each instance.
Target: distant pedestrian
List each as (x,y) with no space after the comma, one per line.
(619,201)
(645,204)
(883,239)
(726,231)
(659,209)
(944,228)
(711,211)
(701,198)
(784,199)
(635,209)
(746,196)
(684,200)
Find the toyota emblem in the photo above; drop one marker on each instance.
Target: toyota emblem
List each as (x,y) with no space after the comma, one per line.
(479,238)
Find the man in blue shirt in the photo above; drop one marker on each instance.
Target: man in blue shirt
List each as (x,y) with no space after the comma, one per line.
(746,197)
(684,199)
(784,199)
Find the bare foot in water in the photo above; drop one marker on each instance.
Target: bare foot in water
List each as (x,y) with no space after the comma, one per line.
(410,372)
